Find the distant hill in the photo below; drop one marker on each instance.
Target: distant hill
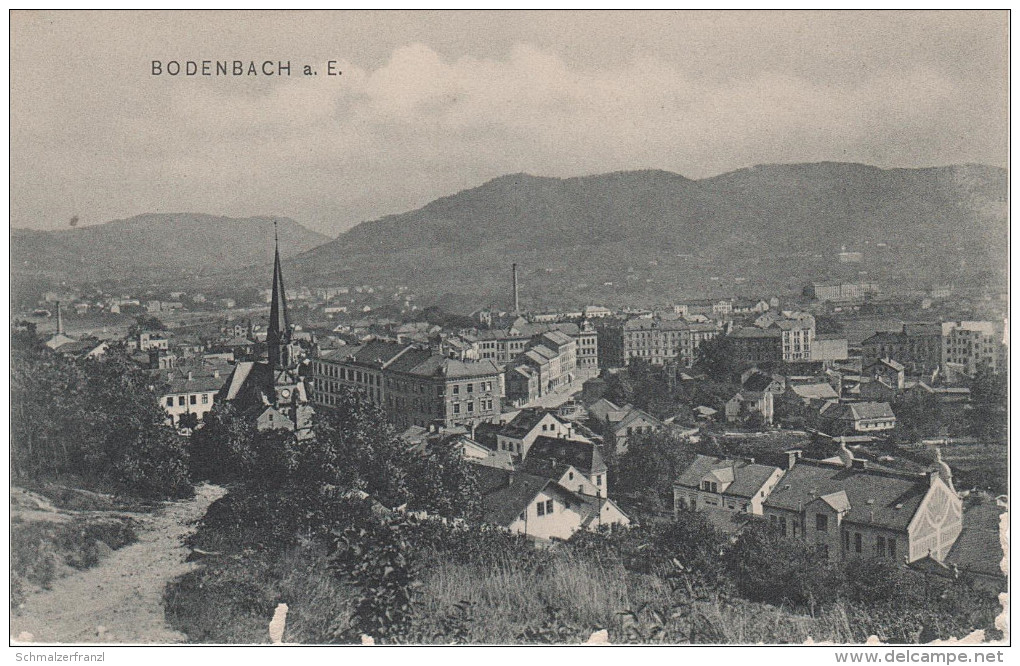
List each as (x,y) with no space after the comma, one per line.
(657,235)
(155,246)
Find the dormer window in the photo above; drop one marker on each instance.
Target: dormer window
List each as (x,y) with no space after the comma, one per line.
(710,486)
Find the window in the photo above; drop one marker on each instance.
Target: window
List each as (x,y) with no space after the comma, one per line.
(821,522)
(541,508)
(456,389)
(598,480)
(709,486)
(892,548)
(180,400)
(846,541)
(456,408)
(549,506)
(470,388)
(192,399)
(471,407)
(544,427)
(880,546)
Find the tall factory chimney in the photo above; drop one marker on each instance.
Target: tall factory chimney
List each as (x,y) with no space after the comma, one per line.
(517,296)
(60,320)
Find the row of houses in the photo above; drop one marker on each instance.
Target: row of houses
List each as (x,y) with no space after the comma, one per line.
(953,348)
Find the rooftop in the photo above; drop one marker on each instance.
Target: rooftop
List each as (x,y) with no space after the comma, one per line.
(876,497)
(748,477)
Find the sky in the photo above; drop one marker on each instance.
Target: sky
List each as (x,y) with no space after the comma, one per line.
(429,104)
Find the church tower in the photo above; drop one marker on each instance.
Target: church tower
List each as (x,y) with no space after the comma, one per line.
(278,334)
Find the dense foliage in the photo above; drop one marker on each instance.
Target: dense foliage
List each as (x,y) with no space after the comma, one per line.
(94,420)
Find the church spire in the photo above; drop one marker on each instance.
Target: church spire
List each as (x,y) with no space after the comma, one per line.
(278,335)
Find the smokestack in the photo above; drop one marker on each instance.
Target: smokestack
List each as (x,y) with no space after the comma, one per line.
(517,301)
(60,316)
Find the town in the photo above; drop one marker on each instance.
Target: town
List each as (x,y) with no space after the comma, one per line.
(860,443)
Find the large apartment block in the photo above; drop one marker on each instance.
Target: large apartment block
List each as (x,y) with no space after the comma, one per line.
(918,347)
(661,341)
(414,385)
(970,346)
(852,292)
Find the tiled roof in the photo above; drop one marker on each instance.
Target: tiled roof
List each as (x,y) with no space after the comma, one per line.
(871,410)
(502,505)
(873,495)
(819,391)
(197,384)
(524,422)
(748,477)
(755,332)
(979,548)
(586,457)
(636,414)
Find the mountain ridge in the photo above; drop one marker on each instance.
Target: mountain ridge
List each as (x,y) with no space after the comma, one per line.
(743,227)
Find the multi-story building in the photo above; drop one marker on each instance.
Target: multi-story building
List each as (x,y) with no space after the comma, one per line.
(587,350)
(797,331)
(412,384)
(757,345)
(842,508)
(660,341)
(847,510)
(552,358)
(841,292)
(504,345)
(739,486)
(970,346)
(918,347)
(189,395)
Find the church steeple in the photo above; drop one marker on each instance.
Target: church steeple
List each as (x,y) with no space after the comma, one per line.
(278,335)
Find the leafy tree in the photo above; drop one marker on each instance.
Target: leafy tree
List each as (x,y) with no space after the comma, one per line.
(354,447)
(767,566)
(715,358)
(146,322)
(652,462)
(442,482)
(93,419)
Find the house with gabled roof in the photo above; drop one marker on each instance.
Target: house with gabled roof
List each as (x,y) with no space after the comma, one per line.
(517,436)
(861,417)
(847,508)
(584,456)
(734,485)
(541,508)
(623,422)
(746,403)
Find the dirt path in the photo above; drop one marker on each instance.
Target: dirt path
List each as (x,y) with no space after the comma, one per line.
(120,600)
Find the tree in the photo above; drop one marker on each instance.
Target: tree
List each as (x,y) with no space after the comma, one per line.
(354,447)
(652,462)
(93,419)
(146,322)
(768,566)
(440,481)
(715,357)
